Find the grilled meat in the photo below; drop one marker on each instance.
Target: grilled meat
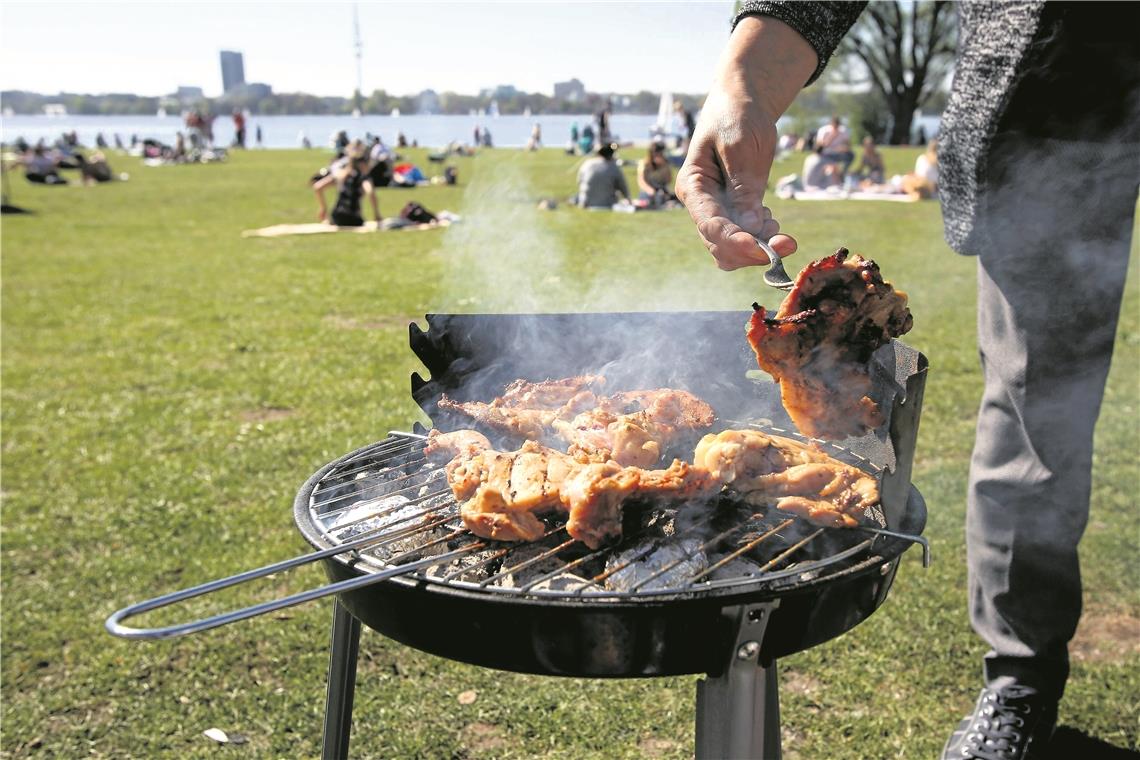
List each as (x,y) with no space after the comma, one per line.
(501,494)
(548,394)
(632,428)
(526,409)
(769,469)
(818,345)
(444,446)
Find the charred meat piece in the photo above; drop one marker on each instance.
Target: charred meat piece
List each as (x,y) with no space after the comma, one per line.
(502,494)
(773,470)
(818,345)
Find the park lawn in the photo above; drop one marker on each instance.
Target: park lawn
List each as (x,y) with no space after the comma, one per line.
(168,385)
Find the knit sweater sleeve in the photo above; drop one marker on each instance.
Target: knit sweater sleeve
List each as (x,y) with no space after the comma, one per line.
(822,24)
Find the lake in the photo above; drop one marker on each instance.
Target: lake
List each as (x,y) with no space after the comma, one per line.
(287,131)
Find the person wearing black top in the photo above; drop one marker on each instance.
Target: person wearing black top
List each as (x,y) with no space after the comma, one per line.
(352,185)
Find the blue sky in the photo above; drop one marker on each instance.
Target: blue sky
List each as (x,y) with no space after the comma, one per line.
(152,48)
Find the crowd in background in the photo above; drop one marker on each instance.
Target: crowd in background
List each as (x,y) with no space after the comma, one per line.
(828,165)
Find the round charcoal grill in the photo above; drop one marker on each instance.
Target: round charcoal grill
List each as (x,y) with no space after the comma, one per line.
(720,588)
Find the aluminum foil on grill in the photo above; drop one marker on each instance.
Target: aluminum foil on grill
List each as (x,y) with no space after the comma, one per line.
(656,564)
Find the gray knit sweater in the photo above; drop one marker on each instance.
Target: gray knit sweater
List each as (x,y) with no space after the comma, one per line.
(993,40)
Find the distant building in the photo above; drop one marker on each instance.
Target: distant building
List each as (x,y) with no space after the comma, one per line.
(502,92)
(187,95)
(233,70)
(572,91)
(428,102)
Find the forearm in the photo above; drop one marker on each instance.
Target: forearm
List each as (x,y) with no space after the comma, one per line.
(768,62)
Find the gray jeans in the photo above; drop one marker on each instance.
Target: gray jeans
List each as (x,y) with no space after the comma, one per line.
(1050,282)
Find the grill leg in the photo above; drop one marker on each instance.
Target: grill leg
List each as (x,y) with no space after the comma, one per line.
(738,711)
(342,684)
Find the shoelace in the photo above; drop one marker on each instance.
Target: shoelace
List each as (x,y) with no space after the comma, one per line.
(998,735)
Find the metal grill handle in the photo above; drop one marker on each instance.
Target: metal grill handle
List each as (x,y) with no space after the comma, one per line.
(115,625)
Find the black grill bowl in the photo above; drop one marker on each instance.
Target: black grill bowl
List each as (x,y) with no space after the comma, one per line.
(673,635)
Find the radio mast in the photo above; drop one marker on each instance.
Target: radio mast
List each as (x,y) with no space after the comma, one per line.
(358,46)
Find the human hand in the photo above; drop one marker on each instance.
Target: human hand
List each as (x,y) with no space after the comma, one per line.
(725,174)
(723,181)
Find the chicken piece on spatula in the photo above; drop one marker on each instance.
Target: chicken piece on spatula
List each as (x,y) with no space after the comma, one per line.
(818,345)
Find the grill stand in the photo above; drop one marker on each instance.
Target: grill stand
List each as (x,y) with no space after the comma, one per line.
(342,684)
(738,711)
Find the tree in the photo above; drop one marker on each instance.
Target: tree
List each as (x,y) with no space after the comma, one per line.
(907,49)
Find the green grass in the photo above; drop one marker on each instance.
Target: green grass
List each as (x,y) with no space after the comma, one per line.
(168,385)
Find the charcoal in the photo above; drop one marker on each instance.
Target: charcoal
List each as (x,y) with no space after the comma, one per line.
(530,573)
(647,557)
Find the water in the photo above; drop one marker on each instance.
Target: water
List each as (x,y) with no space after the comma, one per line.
(286,131)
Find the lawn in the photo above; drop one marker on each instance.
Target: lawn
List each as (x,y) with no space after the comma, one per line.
(168,385)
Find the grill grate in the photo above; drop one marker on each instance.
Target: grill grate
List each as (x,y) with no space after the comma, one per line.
(396,508)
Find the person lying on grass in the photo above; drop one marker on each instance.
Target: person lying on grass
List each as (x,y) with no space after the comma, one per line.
(352,184)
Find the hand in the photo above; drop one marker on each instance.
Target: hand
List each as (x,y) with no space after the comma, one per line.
(724,177)
(725,174)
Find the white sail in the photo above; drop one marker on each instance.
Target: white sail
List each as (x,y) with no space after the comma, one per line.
(493,111)
(664,122)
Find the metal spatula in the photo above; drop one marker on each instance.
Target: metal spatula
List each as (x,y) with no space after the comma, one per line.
(774,275)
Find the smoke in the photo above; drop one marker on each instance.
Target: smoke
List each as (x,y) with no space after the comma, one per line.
(500,259)
(509,257)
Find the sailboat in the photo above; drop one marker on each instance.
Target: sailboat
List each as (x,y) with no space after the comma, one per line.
(395,113)
(664,124)
(526,112)
(493,111)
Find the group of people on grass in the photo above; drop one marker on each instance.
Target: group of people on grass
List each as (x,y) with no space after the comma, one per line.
(602,183)
(42,164)
(828,166)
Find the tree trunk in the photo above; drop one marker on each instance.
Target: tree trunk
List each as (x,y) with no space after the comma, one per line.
(901,122)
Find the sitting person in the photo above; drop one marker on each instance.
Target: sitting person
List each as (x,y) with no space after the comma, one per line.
(352,184)
(94,169)
(655,178)
(923,181)
(601,182)
(835,141)
(586,140)
(871,168)
(818,173)
(380,158)
(41,168)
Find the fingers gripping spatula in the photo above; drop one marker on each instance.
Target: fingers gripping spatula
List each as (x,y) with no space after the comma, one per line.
(774,275)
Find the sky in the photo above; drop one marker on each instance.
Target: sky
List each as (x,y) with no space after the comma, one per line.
(152,48)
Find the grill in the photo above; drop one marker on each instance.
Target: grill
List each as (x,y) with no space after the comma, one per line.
(717,587)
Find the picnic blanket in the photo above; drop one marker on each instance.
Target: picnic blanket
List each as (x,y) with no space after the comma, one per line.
(320,228)
(828,195)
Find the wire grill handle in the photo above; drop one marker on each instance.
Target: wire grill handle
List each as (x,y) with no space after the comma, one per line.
(115,625)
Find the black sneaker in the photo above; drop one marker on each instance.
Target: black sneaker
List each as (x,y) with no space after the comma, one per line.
(1007,724)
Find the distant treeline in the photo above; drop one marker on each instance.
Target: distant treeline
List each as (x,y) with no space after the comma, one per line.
(299,103)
